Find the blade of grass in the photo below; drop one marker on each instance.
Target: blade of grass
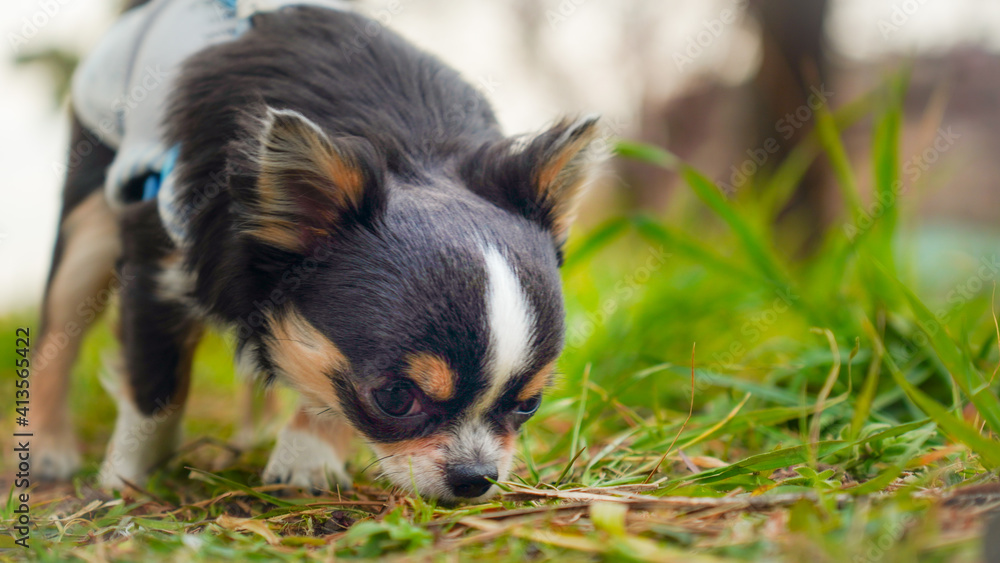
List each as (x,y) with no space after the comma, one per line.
(213,478)
(565,441)
(829,138)
(863,404)
(718,426)
(885,478)
(712,196)
(755,247)
(611,446)
(962,371)
(795,455)
(683,425)
(581,410)
(996,327)
(650,154)
(767,392)
(789,174)
(529,461)
(831,378)
(569,466)
(988,450)
(777,459)
(885,157)
(732,425)
(655,232)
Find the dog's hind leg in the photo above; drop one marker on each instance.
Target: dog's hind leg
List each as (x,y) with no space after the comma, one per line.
(78,289)
(159,331)
(258,409)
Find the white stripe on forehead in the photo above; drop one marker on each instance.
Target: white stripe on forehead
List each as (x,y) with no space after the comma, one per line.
(511,326)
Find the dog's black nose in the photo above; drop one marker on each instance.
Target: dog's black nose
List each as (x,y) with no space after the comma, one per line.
(469,481)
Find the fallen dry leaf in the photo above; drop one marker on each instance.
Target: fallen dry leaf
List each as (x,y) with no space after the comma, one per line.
(248,525)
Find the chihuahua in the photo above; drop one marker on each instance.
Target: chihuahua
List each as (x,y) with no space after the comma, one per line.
(344,203)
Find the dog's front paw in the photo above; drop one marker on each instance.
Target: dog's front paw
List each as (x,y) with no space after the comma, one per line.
(55,456)
(122,468)
(110,478)
(301,459)
(139,444)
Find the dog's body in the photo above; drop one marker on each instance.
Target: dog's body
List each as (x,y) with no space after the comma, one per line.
(350,207)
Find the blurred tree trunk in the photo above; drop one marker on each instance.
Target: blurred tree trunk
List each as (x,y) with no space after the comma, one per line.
(794,63)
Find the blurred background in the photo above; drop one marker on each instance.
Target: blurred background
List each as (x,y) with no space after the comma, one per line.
(724,84)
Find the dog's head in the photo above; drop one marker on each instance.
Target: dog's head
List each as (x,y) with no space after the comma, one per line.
(424,308)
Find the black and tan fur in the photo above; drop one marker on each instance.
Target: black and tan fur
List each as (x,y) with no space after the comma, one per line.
(356,216)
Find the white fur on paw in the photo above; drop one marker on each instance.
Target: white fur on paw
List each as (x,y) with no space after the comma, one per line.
(54,458)
(303,460)
(111,477)
(139,444)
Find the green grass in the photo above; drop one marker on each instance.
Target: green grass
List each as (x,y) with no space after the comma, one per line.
(839,406)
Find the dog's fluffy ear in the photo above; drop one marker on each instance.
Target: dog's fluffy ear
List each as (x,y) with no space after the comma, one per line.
(541,177)
(310,186)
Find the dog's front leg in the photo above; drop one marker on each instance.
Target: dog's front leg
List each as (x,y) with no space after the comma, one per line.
(159,334)
(311,450)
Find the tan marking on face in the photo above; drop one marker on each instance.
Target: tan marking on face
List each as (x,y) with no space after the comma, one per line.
(432,374)
(509,441)
(537,383)
(305,357)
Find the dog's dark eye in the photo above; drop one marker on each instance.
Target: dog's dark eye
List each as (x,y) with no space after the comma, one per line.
(398,399)
(528,407)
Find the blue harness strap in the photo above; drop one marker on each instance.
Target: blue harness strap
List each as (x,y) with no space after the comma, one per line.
(151,186)
(153,183)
